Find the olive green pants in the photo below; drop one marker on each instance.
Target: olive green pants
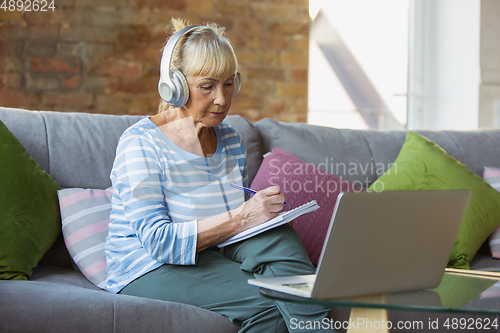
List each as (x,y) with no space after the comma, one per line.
(218,282)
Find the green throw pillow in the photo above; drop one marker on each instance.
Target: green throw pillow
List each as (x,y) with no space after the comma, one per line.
(29,210)
(423,165)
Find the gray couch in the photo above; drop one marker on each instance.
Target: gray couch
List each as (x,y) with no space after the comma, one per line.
(77,150)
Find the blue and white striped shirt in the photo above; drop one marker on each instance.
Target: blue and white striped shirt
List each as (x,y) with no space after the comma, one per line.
(159,193)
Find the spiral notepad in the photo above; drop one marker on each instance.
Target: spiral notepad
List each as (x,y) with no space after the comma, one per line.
(281,219)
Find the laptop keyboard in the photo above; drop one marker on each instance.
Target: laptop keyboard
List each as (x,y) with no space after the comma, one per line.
(302,286)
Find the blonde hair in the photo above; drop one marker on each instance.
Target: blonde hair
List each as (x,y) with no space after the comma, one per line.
(205,51)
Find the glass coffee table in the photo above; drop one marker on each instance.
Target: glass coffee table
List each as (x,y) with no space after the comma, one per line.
(458,293)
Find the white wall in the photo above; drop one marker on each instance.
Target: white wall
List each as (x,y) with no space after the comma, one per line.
(445,68)
(489,93)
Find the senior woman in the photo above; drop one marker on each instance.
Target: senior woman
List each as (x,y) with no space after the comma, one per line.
(172,203)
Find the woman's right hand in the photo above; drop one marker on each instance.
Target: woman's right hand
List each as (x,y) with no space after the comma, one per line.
(263,206)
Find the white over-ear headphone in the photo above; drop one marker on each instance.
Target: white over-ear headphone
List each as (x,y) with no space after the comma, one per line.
(173,87)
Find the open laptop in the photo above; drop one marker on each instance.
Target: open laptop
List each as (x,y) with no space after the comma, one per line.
(382,242)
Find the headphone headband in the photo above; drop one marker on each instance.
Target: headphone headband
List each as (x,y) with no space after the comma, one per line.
(167,84)
(173,87)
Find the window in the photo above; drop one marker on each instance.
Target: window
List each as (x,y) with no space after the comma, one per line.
(358,64)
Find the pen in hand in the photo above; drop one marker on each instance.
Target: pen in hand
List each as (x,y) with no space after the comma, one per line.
(244,189)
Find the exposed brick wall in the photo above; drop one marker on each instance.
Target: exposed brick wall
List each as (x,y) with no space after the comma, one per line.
(103,55)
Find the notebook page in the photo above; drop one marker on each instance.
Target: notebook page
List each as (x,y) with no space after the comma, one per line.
(281,219)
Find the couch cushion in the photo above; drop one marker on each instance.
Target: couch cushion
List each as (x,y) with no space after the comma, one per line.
(252,140)
(61,275)
(42,306)
(342,152)
(77,149)
(361,156)
(82,147)
(423,165)
(302,182)
(29,211)
(29,128)
(474,149)
(85,218)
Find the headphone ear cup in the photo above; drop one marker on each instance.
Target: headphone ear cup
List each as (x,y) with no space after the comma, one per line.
(237,83)
(166,92)
(181,88)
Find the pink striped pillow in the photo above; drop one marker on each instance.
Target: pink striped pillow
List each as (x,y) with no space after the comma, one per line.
(492,176)
(85,219)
